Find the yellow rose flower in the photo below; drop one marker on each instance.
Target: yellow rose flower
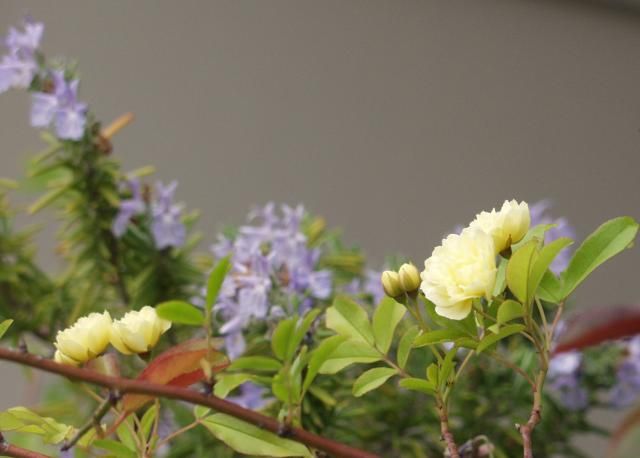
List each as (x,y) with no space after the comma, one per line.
(138,331)
(84,340)
(507,226)
(461,269)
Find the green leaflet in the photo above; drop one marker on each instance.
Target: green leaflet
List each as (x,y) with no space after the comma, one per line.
(180,312)
(347,318)
(605,242)
(372,379)
(385,320)
(251,440)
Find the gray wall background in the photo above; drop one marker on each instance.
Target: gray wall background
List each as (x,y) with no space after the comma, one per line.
(395,120)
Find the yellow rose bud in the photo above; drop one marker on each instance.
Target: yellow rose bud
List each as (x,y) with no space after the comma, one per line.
(507,226)
(138,331)
(84,340)
(409,277)
(391,283)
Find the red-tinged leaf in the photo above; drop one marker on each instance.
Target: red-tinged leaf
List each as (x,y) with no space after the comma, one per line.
(597,325)
(630,423)
(178,366)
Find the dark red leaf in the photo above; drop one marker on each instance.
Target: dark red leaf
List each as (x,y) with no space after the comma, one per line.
(597,325)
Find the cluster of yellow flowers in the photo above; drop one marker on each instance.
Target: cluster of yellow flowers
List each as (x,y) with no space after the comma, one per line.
(136,332)
(463,267)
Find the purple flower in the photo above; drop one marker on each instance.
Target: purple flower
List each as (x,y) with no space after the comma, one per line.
(19,66)
(129,208)
(539,216)
(627,387)
(61,107)
(166,226)
(274,273)
(251,397)
(564,378)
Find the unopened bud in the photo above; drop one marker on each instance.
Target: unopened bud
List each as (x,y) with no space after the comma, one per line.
(409,277)
(391,283)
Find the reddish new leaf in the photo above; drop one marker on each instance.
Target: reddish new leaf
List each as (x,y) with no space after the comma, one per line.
(178,366)
(597,325)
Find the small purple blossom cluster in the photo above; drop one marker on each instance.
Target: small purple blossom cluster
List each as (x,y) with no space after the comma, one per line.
(565,378)
(19,65)
(56,102)
(369,285)
(166,224)
(274,273)
(627,387)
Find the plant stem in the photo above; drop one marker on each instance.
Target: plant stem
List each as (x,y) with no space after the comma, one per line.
(94,422)
(505,362)
(527,429)
(178,432)
(123,386)
(447,435)
(7,449)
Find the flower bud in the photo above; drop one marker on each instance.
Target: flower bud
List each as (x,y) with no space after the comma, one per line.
(409,277)
(138,331)
(84,340)
(391,283)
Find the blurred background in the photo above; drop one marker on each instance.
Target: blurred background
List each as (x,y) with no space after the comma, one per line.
(394,120)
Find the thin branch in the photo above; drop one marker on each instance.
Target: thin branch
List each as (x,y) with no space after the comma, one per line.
(125,386)
(534,418)
(94,421)
(505,362)
(447,435)
(7,449)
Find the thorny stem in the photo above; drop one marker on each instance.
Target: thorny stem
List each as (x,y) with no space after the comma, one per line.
(124,386)
(447,435)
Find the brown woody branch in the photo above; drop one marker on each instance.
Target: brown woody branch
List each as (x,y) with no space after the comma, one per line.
(7,449)
(124,386)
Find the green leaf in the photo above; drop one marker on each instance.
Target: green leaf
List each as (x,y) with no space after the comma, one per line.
(537,232)
(118,448)
(318,357)
(605,242)
(46,200)
(437,336)
(418,384)
(146,424)
(372,379)
(281,337)
(385,320)
(216,278)
(201,411)
(4,326)
(446,368)
(225,383)
(509,310)
(501,277)
(125,435)
(506,331)
(347,318)
(466,342)
(550,288)
(347,353)
(180,312)
(302,326)
(544,259)
(432,373)
(406,344)
(519,268)
(256,364)
(251,440)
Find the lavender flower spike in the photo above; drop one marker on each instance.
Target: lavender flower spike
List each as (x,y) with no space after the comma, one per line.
(167,227)
(128,209)
(19,65)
